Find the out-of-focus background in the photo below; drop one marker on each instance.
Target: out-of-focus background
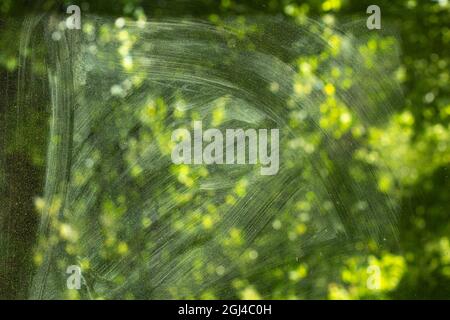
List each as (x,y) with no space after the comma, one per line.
(413,143)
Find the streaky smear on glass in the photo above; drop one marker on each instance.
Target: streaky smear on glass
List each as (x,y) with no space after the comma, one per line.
(140,226)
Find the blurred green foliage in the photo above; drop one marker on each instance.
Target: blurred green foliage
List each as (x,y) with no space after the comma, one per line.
(409,152)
